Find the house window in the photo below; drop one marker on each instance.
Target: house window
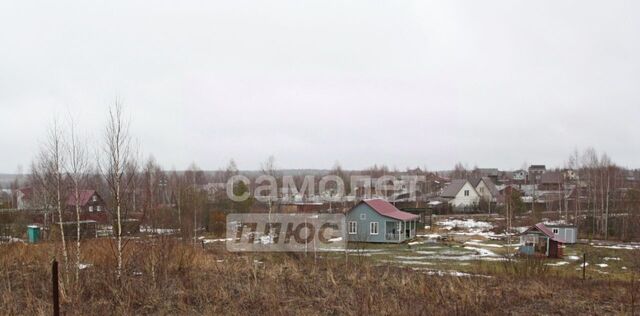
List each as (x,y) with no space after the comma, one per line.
(353,228)
(466,192)
(90,208)
(373,228)
(98,208)
(481,190)
(556,231)
(95,198)
(363,216)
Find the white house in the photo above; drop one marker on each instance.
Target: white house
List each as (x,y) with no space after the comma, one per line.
(520,175)
(486,189)
(24,198)
(461,194)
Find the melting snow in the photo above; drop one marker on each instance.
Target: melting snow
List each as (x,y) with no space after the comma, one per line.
(611,258)
(83,266)
(628,246)
(159,231)
(206,241)
(468,223)
(11,239)
(478,243)
(430,236)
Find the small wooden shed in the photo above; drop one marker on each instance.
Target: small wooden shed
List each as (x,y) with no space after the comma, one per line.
(569,233)
(539,240)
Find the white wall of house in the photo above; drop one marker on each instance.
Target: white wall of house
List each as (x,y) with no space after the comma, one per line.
(484,192)
(520,175)
(467,196)
(22,201)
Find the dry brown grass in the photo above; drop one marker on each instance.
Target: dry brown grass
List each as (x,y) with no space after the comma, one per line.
(165,277)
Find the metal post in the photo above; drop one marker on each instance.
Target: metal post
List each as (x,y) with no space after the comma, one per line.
(56,291)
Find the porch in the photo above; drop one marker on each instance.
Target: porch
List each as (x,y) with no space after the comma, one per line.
(399,231)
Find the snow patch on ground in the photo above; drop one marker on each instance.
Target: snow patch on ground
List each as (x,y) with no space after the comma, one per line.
(207,241)
(624,246)
(558,222)
(159,231)
(521,229)
(426,252)
(479,243)
(409,262)
(573,258)
(611,259)
(430,236)
(557,264)
(451,273)
(83,266)
(9,239)
(602,265)
(465,224)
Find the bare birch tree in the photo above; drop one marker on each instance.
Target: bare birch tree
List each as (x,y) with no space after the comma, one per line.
(117,152)
(54,158)
(77,168)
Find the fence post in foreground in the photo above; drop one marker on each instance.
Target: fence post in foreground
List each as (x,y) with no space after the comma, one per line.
(56,290)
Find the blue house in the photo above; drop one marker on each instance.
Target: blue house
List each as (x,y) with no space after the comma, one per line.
(378,221)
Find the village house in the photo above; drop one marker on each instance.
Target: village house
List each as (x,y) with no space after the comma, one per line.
(92,206)
(491,173)
(378,221)
(551,181)
(24,198)
(535,171)
(461,195)
(519,176)
(539,240)
(486,189)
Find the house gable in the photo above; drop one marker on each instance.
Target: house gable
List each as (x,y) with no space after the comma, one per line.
(466,196)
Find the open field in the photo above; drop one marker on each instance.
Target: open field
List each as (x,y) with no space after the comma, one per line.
(471,273)
(178,279)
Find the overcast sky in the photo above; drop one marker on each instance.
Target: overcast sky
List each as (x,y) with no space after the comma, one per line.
(402,83)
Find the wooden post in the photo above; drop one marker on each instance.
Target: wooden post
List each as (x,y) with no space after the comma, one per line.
(56,290)
(584,266)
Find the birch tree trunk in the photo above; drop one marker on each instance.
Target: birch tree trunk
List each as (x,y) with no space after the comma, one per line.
(117,150)
(77,169)
(53,159)
(77,193)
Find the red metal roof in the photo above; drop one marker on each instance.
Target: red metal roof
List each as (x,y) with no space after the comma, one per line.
(545,230)
(85,196)
(387,209)
(27,192)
